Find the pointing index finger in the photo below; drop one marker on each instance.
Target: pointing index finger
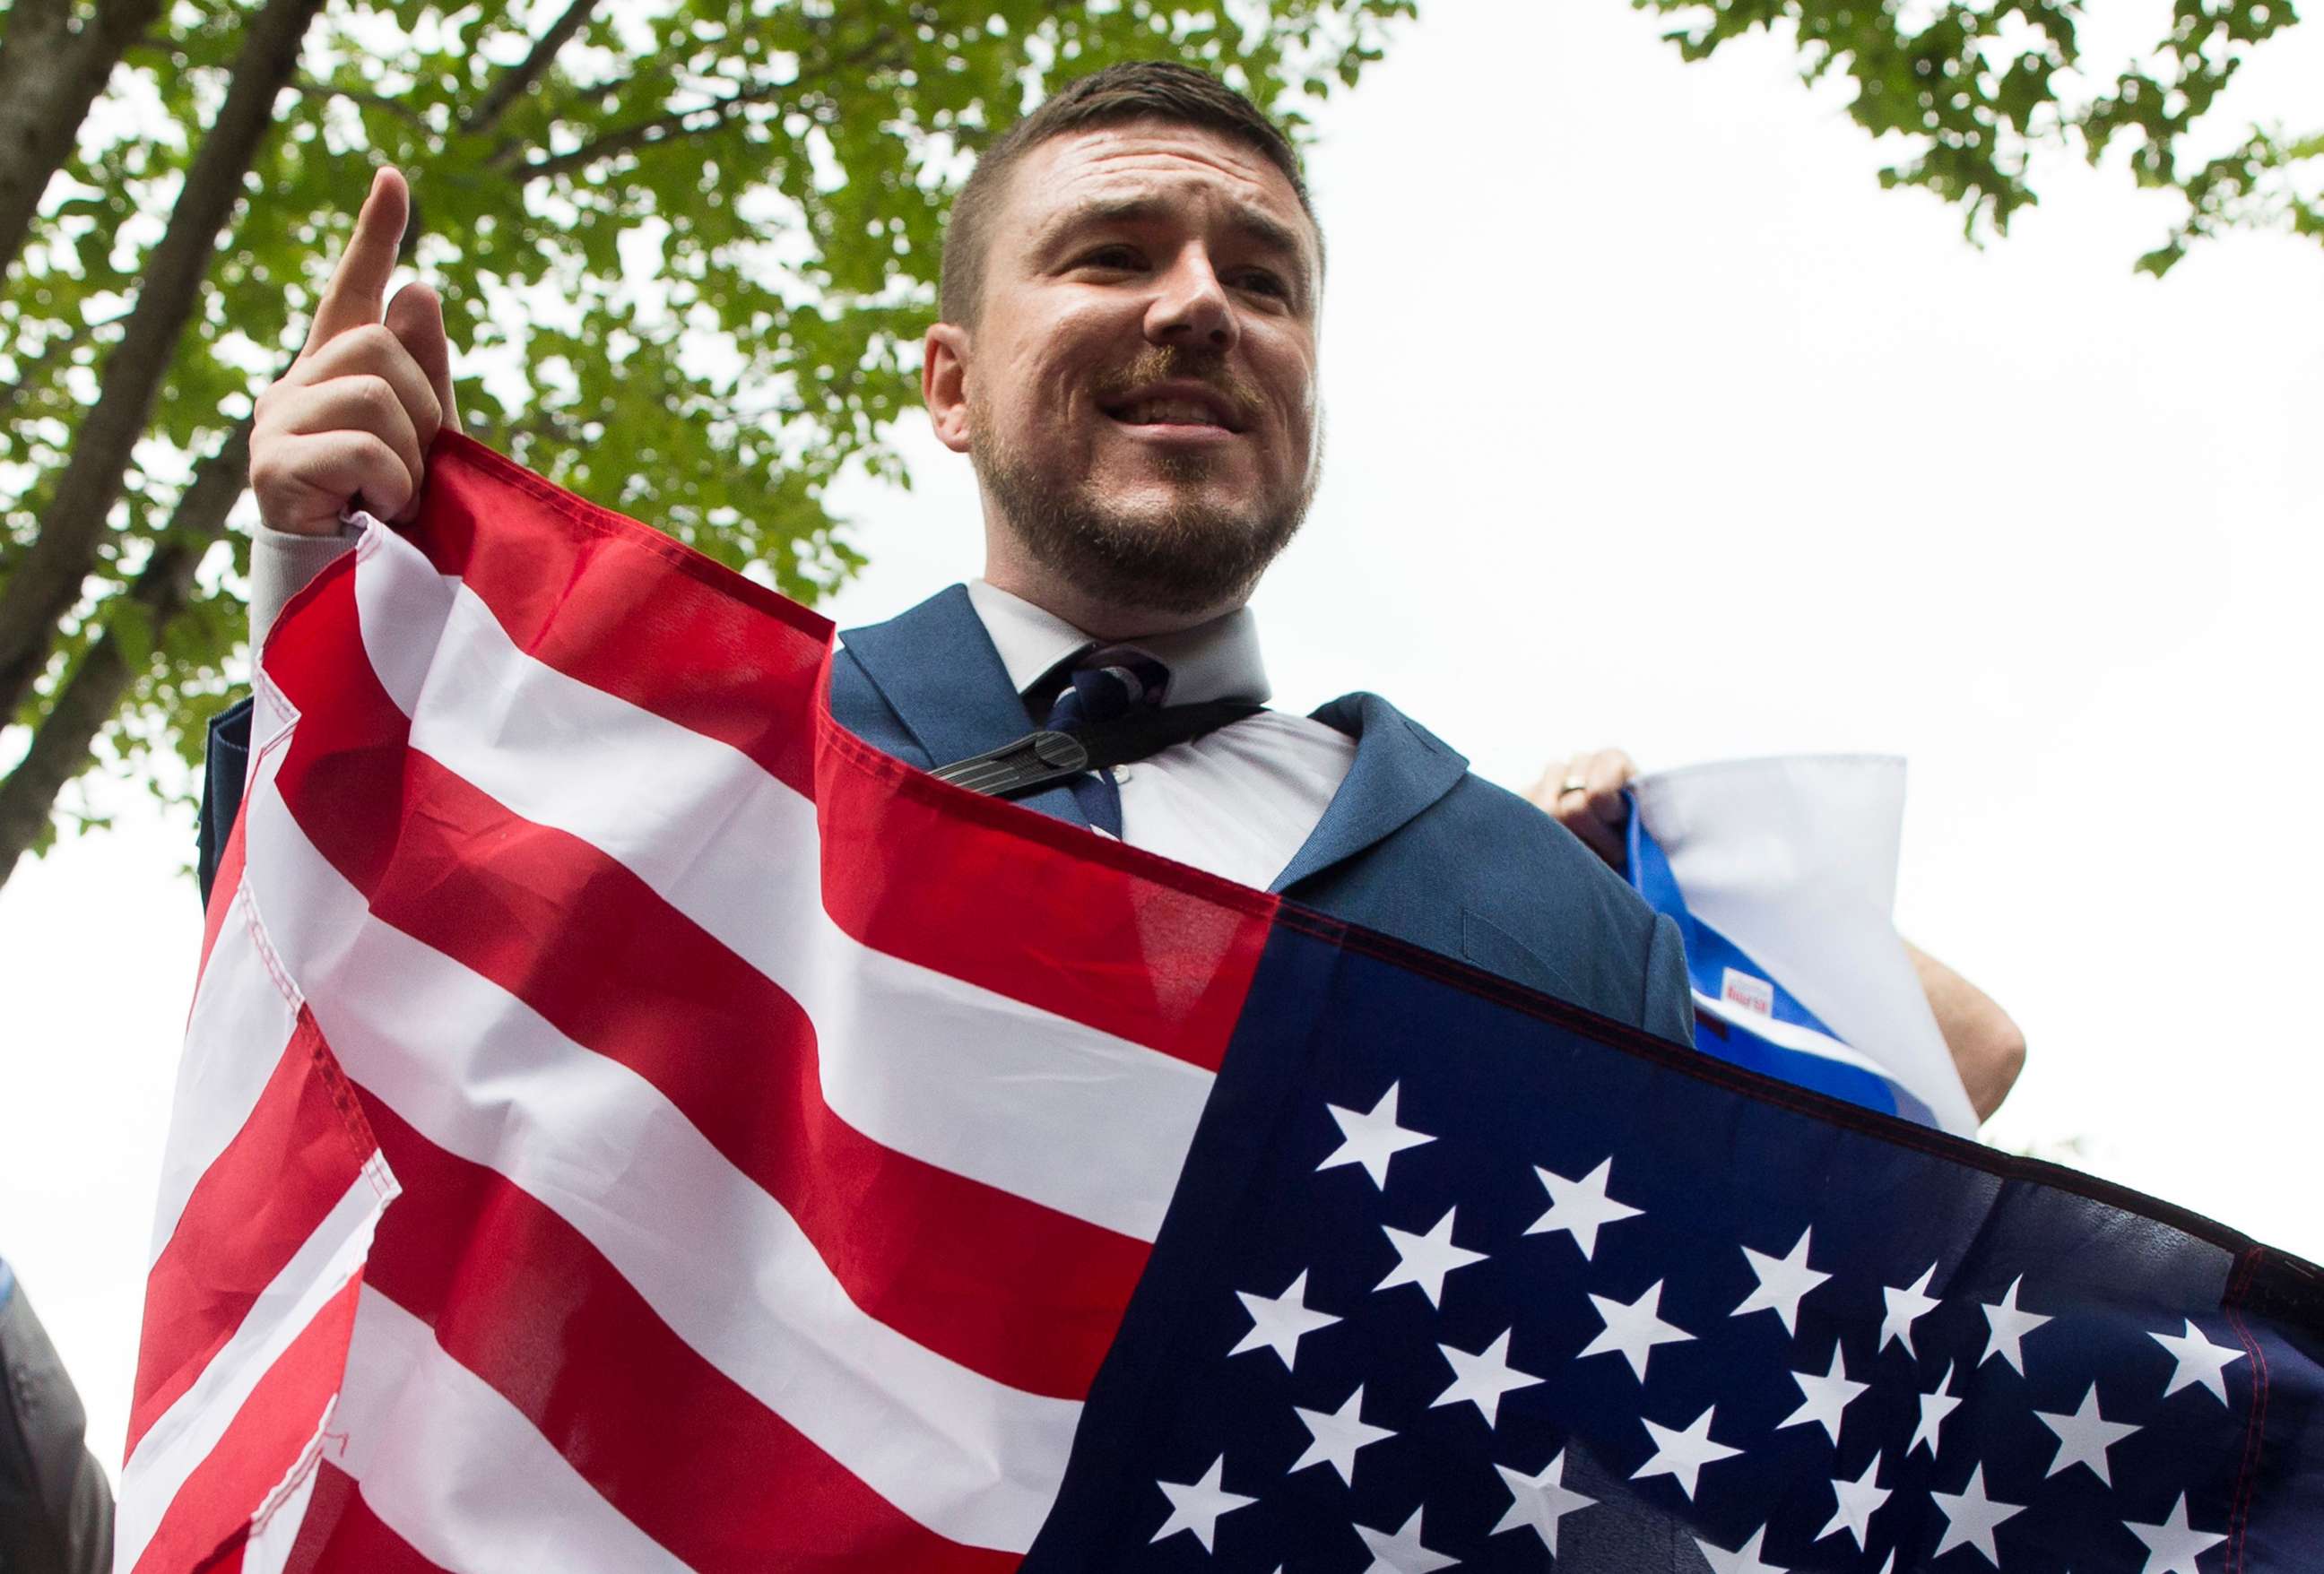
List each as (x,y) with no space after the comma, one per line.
(357,293)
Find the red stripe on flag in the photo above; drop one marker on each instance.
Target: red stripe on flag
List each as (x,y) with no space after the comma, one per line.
(682,1450)
(1159,954)
(342,1535)
(1008,1287)
(226,883)
(302,1147)
(212,1511)
(1033,909)
(624,608)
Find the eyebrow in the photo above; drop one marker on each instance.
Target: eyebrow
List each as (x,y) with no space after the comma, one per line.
(1251,224)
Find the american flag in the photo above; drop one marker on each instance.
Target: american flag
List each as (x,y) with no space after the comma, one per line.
(629,1124)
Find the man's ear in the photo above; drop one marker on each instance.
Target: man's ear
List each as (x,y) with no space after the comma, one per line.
(944,383)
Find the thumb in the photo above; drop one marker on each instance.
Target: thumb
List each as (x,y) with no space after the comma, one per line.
(416,317)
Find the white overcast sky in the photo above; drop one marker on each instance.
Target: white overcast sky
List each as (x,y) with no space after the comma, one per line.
(1653,421)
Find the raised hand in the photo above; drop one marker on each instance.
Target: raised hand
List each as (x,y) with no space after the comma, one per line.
(1585,796)
(348,424)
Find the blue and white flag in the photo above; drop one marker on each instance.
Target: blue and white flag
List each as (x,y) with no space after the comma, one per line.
(1782,876)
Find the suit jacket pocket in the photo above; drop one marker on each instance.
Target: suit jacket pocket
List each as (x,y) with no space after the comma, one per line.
(1497,951)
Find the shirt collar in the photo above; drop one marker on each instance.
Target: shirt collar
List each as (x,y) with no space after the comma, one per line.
(1217,660)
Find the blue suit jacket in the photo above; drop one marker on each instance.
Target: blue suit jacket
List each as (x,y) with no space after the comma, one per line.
(1412,845)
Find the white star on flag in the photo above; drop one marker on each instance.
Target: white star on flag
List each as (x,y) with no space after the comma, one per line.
(1580,1207)
(1402,1552)
(1372,1138)
(1743,1560)
(1195,1506)
(1682,1455)
(1536,1503)
(1280,1322)
(2173,1546)
(1906,1308)
(1782,1282)
(1425,1259)
(1482,1378)
(1935,1406)
(2009,1326)
(1855,1503)
(1634,1330)
(2083,1437)
(1337,1435)
(1971,1518)
(2200,1360)
(1821,1399)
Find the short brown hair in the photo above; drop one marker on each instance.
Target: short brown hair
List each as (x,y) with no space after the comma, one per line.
(1135,90)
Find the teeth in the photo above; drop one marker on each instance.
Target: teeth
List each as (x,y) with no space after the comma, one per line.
(1170,412)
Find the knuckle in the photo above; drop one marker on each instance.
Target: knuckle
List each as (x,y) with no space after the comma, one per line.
(374,395)
(371,344)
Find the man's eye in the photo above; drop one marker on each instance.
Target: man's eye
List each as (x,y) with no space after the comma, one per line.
(1114,258)
(1266,283)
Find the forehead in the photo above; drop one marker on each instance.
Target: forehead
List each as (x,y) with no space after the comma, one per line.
(1206,173)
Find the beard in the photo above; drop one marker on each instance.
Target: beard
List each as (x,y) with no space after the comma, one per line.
(1182,557)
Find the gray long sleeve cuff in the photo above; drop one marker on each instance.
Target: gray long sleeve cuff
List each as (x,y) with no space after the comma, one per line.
(280,566)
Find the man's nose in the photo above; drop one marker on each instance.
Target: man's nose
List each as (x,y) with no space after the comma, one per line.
(1192,308)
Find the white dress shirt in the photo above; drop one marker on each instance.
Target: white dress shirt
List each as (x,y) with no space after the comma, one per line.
(1239,802)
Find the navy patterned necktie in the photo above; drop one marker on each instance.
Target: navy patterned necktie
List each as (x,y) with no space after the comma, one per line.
(1103,684)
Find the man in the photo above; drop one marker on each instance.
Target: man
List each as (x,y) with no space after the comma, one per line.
(56,1511)
(1127,354)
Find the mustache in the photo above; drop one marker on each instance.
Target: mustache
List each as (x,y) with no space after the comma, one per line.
(1176,363)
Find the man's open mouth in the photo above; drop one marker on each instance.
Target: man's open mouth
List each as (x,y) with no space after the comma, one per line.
(1179,406)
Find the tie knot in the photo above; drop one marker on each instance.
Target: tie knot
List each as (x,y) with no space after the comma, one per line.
(1108,682)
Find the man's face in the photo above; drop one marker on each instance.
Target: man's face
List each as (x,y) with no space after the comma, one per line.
(1138,394)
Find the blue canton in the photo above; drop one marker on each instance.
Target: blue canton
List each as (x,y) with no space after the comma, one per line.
(1460,1278)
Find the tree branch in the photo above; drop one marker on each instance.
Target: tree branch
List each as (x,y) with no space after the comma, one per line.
(305,87)
(672,125)
(46,582)
(514,84)
(49,77)
(646,134)
(93,695)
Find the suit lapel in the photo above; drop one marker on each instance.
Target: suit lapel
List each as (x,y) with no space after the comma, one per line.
(1400,770)
(938,671)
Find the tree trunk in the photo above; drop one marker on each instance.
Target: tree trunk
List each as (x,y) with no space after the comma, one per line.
(47,580)
(50,74)
(92,696)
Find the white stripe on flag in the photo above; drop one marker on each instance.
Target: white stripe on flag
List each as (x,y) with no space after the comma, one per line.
(182,1436)
(459,1473)
(480,1074)
(241,1021)
(1792,1035)
(274,1528)
(1033,1104)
